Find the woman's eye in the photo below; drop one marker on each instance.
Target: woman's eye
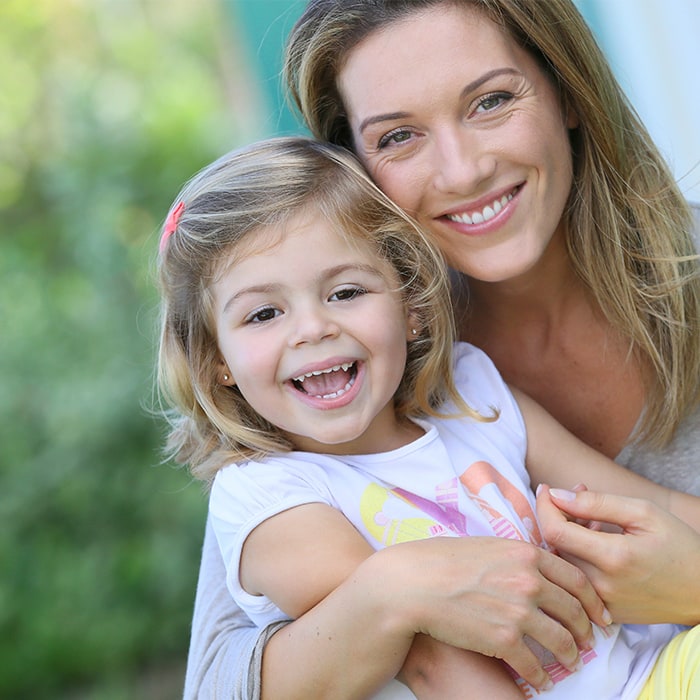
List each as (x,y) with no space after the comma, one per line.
(262,315)
(396,136)
(492,101)
(347,294)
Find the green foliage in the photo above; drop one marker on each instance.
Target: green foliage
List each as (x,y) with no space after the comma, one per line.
(106,108)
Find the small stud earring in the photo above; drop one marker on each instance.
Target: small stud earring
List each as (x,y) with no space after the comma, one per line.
(414,331)
(226,377)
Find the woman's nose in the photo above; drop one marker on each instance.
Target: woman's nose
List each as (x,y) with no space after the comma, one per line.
(460,161)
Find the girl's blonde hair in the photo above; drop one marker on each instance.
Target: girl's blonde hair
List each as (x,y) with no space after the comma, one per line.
(628,225)
(263,186)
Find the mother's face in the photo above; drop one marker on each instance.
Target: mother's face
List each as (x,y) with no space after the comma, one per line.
(462,128)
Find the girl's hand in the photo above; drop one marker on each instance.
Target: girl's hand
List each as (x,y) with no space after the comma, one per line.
(649,572)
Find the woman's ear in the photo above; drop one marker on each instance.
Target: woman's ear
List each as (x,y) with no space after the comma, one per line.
(572,120)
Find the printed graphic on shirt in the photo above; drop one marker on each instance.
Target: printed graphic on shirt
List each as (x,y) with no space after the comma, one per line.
(480,502)
(490,505)
(494,494)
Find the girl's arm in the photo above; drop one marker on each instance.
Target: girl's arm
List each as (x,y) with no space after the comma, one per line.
(464,592)
(226,648)
(558,458)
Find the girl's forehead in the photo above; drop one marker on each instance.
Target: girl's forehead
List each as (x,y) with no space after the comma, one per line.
(325,224)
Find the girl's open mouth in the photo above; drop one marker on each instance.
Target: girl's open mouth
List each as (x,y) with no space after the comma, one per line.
(328,383)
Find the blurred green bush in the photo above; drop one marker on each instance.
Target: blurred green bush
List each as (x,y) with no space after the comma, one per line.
(105,109)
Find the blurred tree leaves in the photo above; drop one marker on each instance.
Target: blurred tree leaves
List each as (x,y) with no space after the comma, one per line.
(106,107)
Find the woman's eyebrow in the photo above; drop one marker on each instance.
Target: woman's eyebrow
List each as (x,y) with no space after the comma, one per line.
(391,116)
(489,75)
(470,87)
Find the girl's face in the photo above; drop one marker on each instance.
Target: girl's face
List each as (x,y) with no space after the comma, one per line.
(460,127)
(313,331)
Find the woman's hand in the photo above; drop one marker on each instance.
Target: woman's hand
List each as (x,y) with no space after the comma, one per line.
(487,594)
(647,573)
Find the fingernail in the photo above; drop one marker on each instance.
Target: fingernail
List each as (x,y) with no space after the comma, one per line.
(562,494)
(607,617)
(547,686)
(577,666)
(588,644)
(538,489)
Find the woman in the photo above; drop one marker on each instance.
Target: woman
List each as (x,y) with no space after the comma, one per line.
(499,126)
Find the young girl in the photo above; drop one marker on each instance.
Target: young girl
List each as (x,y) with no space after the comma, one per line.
(307,350)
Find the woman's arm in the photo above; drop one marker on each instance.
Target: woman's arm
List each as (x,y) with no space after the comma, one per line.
(648,573)
(483,594)
(556,457)
(226,649)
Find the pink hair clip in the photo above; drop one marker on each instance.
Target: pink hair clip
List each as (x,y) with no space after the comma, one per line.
(171,224)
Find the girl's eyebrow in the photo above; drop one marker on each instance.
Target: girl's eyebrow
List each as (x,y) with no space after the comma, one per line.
(255,289)
(470,87)
(324,274)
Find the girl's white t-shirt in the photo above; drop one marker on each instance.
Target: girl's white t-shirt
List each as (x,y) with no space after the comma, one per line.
(461,478)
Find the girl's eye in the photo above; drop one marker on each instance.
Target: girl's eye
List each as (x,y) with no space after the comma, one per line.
(492,101)
(396,136)
(262,315)
(347,294)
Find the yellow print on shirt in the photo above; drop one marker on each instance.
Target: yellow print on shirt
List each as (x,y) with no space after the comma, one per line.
(509,514)
(386,523)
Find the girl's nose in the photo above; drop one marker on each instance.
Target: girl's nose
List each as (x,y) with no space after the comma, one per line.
(313,326)
(460,160)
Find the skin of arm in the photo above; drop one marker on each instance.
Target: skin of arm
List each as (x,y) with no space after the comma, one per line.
(636,571)
(648,570)
(348,589)
(558,458)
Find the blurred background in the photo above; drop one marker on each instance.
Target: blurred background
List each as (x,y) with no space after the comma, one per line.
(106,108)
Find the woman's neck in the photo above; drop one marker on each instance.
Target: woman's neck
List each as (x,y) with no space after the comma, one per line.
(548,337)
(541,302)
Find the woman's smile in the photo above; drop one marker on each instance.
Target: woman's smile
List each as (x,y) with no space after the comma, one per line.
(467,135)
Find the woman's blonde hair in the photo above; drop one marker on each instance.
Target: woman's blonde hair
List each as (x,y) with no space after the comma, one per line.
(629,226)
(262,186)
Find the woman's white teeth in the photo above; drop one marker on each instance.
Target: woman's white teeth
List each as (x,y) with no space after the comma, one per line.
(488,212)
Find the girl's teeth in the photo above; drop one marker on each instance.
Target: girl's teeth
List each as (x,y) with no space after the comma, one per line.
(488,212)
(345,367)
(340,392)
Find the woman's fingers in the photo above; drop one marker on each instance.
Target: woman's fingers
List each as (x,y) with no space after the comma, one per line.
(489,594)
(633,569)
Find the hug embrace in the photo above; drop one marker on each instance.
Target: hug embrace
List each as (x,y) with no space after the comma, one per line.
(479,278)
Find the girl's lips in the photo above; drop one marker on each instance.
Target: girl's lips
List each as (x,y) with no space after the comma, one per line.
(334,399)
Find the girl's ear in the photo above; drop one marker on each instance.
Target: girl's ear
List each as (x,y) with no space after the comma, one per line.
(413,326)
(224,376)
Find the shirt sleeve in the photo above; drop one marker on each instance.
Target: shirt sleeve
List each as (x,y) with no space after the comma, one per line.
(242,497)
(480,384)
(226,648)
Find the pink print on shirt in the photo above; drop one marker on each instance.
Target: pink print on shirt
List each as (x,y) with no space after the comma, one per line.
(491,504)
